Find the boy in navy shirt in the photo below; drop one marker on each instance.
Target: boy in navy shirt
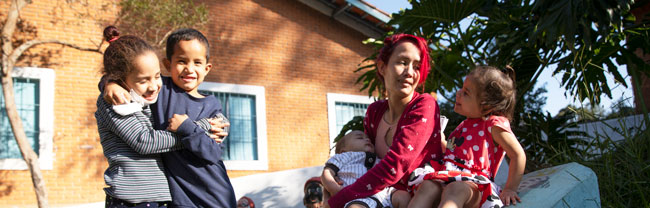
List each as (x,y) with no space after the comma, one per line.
(197,176)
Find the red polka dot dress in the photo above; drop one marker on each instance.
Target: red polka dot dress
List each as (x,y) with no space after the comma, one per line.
(471,155)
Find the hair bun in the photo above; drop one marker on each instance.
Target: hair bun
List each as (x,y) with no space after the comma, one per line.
(111,33)
(508,70)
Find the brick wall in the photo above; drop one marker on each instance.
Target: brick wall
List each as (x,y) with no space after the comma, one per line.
(295,52)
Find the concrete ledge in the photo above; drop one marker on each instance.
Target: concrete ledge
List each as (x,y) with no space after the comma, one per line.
(568,185)
(275,189)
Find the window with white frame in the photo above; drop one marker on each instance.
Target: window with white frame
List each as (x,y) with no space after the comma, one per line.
(341,108)
(245,148)
(34,98)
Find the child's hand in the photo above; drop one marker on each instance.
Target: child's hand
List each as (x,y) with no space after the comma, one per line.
(115,94)
(509,196)
(176,121)
(216,132)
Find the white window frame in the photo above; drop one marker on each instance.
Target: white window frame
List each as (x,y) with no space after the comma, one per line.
(262,162)
(332,98)
(45,117)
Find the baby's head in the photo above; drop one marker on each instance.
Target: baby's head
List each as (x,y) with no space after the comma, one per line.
(355,141)
(495,90)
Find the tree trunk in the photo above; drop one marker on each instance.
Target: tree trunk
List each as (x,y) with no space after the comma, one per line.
(25,149)
(29,155)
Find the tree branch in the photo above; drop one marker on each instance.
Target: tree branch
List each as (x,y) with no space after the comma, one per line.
(20,49)
(160,43)
(8,30)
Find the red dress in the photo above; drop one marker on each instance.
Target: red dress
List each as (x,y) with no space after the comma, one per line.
(471,155)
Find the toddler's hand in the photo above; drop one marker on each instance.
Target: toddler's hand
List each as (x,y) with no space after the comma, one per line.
(115,94)
(216,132)
(176,121)
(508,196)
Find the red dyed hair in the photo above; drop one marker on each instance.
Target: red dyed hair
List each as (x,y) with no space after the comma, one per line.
(389,46)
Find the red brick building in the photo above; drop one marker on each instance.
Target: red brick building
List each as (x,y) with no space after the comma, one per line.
(284,69)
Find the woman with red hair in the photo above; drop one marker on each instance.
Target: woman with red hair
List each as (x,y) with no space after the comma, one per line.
(404,127)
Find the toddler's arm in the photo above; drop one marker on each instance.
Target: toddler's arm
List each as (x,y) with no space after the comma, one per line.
(517,156)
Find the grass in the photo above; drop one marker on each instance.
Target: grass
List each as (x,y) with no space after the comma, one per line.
(622,168)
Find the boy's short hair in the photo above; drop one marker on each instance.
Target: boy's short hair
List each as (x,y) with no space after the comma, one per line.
(186,34)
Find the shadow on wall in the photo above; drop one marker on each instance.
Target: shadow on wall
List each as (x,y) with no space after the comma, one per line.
(275,189)
(42,57)
(90,149)
(269,197)
(6,187)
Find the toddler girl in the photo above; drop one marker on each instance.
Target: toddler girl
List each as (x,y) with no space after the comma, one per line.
(475,149)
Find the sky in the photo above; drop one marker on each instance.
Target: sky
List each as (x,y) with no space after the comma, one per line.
(556,99)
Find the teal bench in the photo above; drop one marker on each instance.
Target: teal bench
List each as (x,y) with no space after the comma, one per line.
(568,185)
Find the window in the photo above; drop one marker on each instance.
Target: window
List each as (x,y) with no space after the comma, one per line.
(341,108)
(34,97)
(245,148)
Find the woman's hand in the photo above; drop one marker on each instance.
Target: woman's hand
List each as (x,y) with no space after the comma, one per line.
(114,94)
(176,121)
(216,132)
(509,196)
(332,183)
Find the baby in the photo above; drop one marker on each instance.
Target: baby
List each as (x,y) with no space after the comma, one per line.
(354,157)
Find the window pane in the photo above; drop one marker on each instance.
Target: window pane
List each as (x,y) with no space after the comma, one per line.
(346,111)
(27,105)
(241,143)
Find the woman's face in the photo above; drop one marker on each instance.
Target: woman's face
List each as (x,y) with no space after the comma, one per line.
(402,72)
(145,77)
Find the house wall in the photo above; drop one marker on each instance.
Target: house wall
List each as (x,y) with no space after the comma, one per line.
(297,54)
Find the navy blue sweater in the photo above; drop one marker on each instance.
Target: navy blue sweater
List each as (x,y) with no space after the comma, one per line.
(197,176)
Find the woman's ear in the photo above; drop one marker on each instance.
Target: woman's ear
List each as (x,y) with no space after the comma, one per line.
(380,67)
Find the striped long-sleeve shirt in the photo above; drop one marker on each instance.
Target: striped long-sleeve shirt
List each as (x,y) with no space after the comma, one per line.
(135,172)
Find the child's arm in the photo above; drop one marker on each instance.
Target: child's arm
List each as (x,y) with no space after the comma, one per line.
(135,132)
(205,146)
(517,164)
(329,181)
(199,142)
(113,92)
